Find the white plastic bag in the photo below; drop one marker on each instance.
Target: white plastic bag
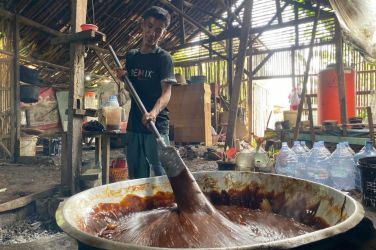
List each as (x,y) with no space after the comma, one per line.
(358,20)
(294,99)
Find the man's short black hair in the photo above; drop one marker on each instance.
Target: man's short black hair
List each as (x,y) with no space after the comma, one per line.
(158,13)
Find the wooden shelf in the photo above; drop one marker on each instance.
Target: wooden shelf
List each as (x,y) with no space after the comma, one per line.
(86,36)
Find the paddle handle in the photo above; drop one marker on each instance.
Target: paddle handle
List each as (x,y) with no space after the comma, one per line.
(138,101)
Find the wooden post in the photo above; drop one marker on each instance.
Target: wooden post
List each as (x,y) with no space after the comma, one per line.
(305,80)
(293,68)
(76,93)
(180,5)
(15,93)
(310,118)
(244,36)
(370,125)
(105,161)
(341,77)
(230,55)
(250,95)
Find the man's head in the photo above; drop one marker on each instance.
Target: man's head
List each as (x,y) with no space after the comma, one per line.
(154,24)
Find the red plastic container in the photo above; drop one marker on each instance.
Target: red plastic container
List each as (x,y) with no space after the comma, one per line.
(327,95)
(88,26)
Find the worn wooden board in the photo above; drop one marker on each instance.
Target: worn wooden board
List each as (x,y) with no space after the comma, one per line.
(190,113)
(62,103)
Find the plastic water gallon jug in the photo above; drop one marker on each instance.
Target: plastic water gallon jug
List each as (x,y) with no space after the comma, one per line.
(287,161)
(342,171)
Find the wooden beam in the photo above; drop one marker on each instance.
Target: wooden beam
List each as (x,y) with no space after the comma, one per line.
(119,83)
(279,11)
(29,22)
(85,36)
(188,18)
(76,93)
(341,77)
(305,79)
(194,6)
(231,14)
(270,22)
(244,37)
(215,52)
(15,93)
(236,32)
(180,5)
(44,63)
(262,63)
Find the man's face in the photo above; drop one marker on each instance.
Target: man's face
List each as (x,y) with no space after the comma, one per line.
(152,30)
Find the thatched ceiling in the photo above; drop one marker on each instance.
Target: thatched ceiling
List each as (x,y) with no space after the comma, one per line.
(118,19)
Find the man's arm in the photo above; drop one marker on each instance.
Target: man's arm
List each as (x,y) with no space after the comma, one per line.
(160,104)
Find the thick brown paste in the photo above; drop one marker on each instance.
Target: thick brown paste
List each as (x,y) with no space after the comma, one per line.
(156,221)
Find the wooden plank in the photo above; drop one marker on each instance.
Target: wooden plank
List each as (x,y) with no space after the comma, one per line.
(76,93)
(341,77)
(305,80)
(244,37)
(23,201)
(332,138)
(190,113)
(86,36)
(15,93)
(105,148)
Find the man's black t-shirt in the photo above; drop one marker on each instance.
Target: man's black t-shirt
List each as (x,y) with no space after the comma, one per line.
(146,71)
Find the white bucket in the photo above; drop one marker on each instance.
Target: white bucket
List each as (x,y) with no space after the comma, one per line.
(28,145)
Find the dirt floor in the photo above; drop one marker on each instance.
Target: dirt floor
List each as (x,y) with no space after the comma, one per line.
(19,180)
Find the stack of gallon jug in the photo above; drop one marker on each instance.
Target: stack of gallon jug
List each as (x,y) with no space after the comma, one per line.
(337,170)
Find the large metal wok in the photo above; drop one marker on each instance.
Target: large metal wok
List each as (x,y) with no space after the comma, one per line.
(339,211)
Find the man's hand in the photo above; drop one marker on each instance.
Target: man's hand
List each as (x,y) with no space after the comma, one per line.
(120,73)
(151,116)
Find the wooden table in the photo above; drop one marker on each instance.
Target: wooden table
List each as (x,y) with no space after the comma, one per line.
(102,153)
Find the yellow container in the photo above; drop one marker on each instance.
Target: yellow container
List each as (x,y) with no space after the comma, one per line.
(28,145)
(290,116)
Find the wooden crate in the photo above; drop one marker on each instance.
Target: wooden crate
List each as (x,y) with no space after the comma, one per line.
(190,113)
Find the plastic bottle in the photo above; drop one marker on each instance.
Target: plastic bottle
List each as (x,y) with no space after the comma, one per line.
(368,151)
(346,144)
(323,148)
(287,161)
(304,146)
(317,165)
(342,168)
(112,113)
(301,153)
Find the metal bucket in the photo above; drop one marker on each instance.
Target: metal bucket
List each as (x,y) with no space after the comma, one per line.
(339,211)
